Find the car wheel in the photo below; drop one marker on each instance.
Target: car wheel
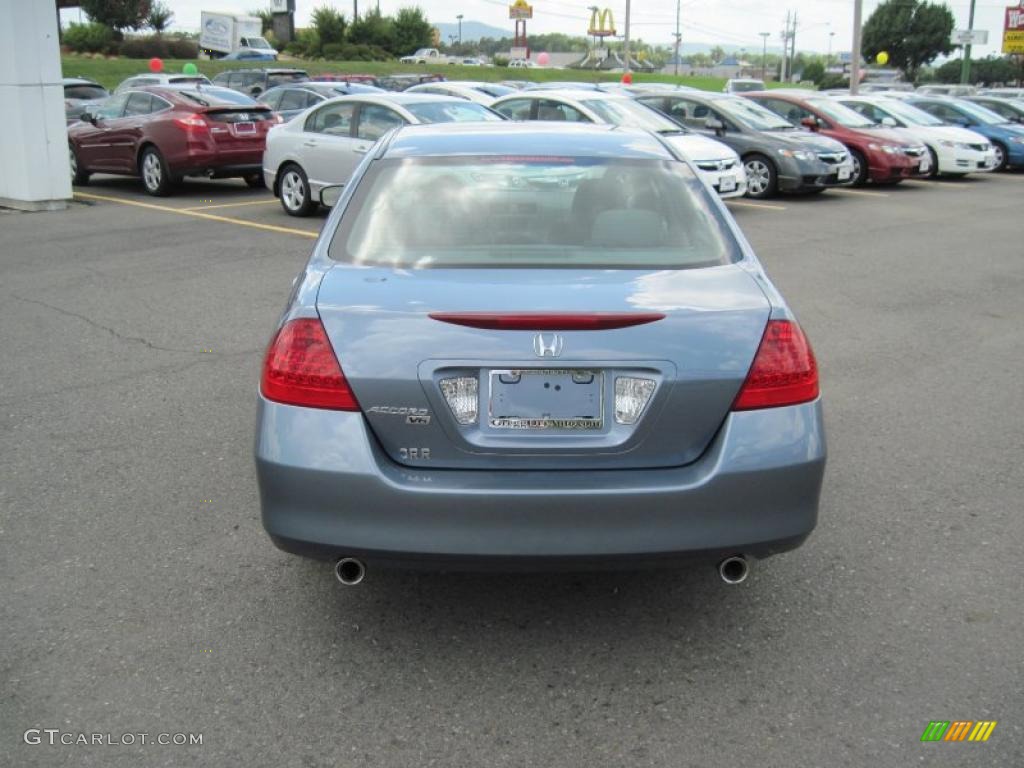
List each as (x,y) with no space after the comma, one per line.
(762,178)
(1001,159)
(296,197)
(860,168)
(79,175)
(255,180)
(934,172)
(156,177)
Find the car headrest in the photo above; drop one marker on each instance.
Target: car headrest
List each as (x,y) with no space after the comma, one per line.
(626,227)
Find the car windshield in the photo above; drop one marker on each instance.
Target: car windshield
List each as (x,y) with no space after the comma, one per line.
(259,42)
(535,211)
(452,112)
(908,113)
(979,113)
(840,114)
(631,113)
(753,115)
(217,97)
(743,86)
(185,79)
(283,78)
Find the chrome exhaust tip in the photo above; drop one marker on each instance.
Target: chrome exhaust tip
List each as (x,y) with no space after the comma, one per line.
(734,570)
(349,571)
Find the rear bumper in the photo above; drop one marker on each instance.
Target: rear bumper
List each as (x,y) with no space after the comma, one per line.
(327,490)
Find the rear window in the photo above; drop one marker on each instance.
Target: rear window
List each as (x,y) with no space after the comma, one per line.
(284,78)
(532,212)
(217,97)
(451,112)
(85,92)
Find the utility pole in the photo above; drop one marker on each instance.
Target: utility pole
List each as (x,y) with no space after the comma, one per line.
(678,36)
(459,17)
(828,60)
(355,10)
(626,44)
(784,66)
(858,12)
(764,53)
(965,66)
(792,47)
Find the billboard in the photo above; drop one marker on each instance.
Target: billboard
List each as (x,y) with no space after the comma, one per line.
(1013,30)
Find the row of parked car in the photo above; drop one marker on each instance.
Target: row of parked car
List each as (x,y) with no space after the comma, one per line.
(304,135)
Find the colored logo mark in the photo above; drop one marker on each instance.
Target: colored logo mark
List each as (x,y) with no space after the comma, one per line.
(958,730)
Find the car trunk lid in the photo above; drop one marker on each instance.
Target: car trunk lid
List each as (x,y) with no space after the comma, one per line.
(545,388)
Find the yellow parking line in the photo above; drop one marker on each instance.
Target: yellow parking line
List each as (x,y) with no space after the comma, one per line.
(766,206)
(197,214)
(861,192)
(228,205)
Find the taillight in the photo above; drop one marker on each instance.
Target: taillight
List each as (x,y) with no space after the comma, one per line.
(300,369)
(784,371)
(193,122)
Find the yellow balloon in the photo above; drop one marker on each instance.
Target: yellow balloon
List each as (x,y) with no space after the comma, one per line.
(882,58)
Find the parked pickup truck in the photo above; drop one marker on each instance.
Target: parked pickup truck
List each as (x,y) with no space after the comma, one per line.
(425,56)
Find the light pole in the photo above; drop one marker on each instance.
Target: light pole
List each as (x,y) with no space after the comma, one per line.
(965,67)
(626,45)
(828,60)
(764,53)
(459,17)
(858,12)
(678,37)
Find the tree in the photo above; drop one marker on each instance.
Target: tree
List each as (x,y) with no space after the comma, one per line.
(266,17)
(815,72)
(330,25)
(159,17)
(717,54)
(119,15)
(372,28)
(412,31)
(912,32)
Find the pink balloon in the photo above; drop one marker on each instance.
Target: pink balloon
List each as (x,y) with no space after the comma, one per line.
(543,59)
(156,65)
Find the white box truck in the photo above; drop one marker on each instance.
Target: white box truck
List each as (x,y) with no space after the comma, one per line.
(227,34)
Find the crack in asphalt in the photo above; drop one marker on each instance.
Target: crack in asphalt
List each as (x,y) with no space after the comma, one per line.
(114,332)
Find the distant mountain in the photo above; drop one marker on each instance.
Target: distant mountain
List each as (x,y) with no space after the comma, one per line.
(472,31)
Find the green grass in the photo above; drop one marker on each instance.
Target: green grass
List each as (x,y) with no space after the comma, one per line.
(110,72)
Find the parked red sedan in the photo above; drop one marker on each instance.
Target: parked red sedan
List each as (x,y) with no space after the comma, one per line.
(163,133)
(883,155)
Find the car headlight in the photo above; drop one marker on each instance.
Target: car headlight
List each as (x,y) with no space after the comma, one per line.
(797,154)
(1017,139)
(889,149)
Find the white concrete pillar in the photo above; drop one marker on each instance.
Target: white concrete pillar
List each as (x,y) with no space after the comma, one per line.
(34,169)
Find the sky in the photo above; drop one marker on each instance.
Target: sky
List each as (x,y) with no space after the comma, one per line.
(735,22)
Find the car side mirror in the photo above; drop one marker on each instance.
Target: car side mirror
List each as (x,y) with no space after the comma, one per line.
(889,122)
(330,195)
(810,122)
(716,125)
(88,117)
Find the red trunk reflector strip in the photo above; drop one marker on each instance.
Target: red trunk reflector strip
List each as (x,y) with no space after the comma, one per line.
(547,321)
(784,371)
(300,369)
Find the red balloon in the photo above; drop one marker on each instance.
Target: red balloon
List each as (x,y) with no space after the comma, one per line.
(627,78)
(156,64)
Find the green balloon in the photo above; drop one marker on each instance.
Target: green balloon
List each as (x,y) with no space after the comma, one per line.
(189,68)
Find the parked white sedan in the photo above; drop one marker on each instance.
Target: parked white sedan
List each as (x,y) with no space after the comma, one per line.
(718,164)
(954,150)
(322,146)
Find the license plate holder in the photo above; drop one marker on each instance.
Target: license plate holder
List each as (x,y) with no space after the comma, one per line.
(546,399)
(727,184)
(244,129)
(844,173)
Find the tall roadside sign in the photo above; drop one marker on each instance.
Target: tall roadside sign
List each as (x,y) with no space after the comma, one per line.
(1013,30)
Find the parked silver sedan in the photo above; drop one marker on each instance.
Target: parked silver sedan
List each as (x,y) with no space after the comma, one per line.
(322,146)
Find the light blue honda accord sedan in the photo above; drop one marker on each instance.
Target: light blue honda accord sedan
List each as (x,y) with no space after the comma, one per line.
(533,346)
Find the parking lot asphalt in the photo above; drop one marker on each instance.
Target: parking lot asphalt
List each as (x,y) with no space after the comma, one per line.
(141,594)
